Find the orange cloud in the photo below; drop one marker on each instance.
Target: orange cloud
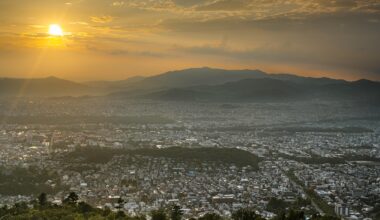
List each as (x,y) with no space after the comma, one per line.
(102,19)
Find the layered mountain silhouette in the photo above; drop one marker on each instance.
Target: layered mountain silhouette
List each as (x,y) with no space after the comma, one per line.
(203,84)
(206,84)
(267,89)
(262,89)
(50,86)
(56,87)
(115,85)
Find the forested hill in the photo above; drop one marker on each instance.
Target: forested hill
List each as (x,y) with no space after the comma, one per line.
(231,156)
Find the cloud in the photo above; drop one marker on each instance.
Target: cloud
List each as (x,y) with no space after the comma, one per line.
(339,3)
(79,23)
(325,33)
(164,5)
(347,60)
(118,3)
(37,35)
(125,52)
(225,5)
(102,19)
(190,3)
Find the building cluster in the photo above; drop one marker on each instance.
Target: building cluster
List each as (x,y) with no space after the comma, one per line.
(337,160)
(349,187)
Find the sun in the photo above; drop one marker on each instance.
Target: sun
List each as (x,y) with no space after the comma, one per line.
(55,30)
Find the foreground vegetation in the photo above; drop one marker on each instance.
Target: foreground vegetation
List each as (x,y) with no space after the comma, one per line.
(73,209)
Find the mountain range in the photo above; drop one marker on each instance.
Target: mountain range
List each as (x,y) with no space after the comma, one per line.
(50,86)
(201,84)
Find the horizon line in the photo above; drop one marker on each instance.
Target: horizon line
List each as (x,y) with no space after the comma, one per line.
(178,70)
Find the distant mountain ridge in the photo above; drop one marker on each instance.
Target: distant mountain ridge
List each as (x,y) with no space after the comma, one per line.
(49,86)
(56,87)
(115,85)
(202,84)
(263,89)
(207,84)
(271,90)
(211,76)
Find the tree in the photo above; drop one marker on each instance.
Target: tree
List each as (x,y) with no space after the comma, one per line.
(293,215)
(106,211)
(281,216)
(158,215)
(3,210)
(176,213)
(71,199)
(84,207)
(20,207)
(42,199)
(246,214)
(277,205)
(139,217)
(211,216)
(120,203)
(325,217)
(120,215)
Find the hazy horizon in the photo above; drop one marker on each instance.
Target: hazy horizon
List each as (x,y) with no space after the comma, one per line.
(179,70)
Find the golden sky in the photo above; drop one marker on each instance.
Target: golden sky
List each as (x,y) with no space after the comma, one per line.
(109,40)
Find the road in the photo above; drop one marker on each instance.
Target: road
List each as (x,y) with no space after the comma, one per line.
(303,191)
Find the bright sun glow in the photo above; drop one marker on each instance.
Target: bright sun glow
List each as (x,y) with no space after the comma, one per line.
(55,30)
